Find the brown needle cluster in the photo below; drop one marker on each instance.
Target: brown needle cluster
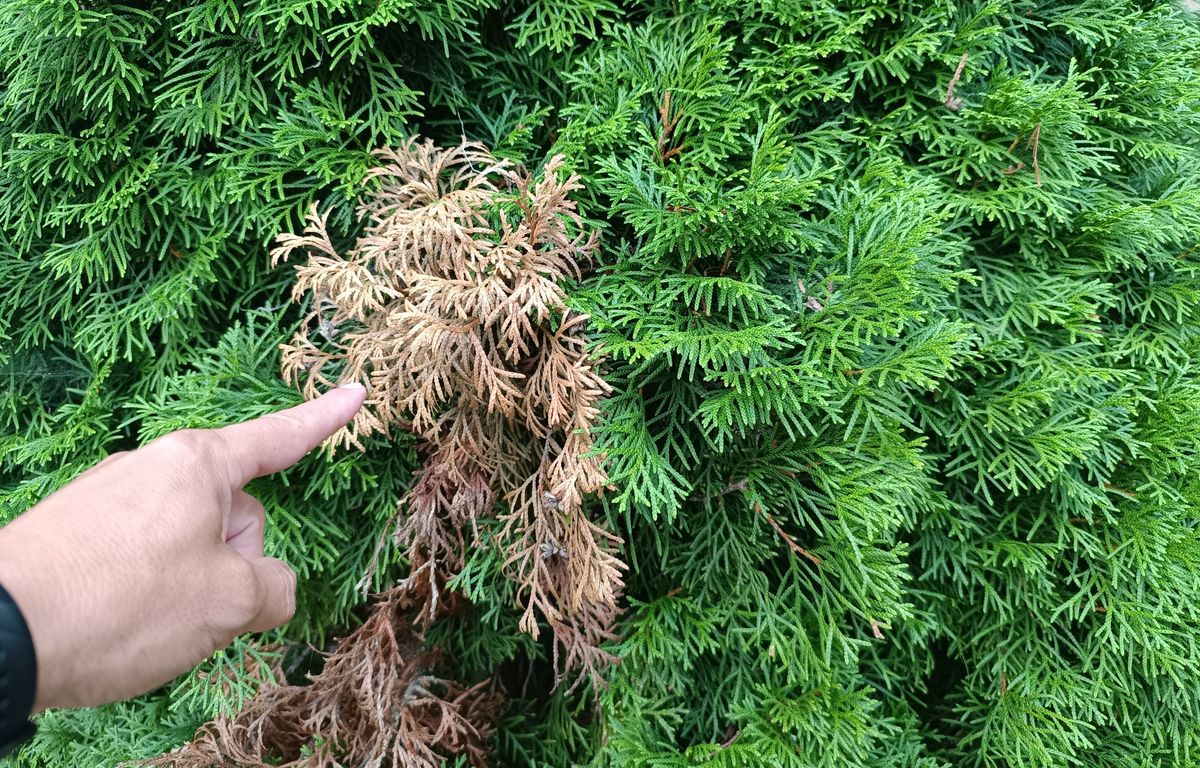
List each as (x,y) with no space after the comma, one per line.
(378,703)
(450,309)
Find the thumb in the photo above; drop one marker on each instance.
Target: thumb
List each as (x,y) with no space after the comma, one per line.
(276,593)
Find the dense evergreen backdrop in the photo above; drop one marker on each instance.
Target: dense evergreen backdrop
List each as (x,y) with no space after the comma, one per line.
(900,305)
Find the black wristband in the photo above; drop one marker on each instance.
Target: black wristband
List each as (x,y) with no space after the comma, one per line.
(18,676)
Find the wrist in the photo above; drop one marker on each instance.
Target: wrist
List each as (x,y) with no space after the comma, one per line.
(27,579)
(18,675)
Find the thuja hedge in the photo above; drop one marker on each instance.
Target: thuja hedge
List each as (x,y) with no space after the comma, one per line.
(895,306)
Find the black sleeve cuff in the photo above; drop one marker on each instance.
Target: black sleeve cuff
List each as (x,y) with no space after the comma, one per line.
(18,676)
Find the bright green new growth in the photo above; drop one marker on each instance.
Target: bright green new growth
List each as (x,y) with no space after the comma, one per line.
(905,416)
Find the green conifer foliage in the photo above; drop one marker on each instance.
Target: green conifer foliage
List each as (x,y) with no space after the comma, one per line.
(900,311)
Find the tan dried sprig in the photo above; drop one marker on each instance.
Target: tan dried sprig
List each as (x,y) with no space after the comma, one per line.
(378,703)
(450,309)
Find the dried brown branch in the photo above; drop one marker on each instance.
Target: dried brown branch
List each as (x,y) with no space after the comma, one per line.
(378,703)
(1037,171)
(450,310)
(791,542)
(1033,144)
(667,130)
(951,101)
(875,630)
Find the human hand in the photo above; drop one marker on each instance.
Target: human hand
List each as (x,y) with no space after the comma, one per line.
(152,560)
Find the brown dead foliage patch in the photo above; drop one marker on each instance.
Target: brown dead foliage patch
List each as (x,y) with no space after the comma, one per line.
(379,702)
(451,309)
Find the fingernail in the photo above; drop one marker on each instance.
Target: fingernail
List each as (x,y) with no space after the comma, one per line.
(353,385)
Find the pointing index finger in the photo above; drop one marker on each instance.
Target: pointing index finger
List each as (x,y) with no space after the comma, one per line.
(278,440)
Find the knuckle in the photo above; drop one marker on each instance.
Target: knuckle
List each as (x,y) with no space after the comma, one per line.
(246,600)
(188,444)
(287,591)
(288,611)
(230,598)
(220,636)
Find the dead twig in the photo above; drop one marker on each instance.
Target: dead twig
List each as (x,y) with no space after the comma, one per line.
(952,102)
(665,150)
(792,543)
